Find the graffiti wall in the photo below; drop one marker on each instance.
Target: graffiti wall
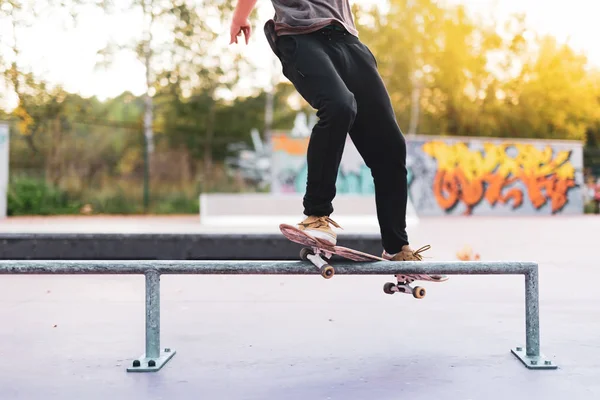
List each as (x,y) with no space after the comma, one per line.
(459,176)
(495,177)
(289,169)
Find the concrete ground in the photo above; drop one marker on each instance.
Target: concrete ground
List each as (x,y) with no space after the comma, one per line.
(288,337)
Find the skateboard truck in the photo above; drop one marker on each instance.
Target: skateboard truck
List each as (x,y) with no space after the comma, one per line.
(403,286)
(314,256)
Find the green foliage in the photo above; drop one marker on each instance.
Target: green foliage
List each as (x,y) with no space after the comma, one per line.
(115,200)
(127,199)
(29,196)
(177,203)
(182,122)
(34,196)
(590,208)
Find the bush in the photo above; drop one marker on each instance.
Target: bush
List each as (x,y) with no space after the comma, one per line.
(176,203)
(590,208)
(32,196)
(115,202)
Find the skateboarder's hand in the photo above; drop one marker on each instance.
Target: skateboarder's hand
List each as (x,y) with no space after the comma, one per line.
(239,27)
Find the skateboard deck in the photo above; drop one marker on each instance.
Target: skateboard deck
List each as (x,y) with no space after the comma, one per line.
(319,251)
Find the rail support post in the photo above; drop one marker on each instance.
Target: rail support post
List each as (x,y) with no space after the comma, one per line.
(154,359)
(531,356)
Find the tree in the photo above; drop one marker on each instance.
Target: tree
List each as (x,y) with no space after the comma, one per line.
(435,57)
(554,96)
(18,14)
(450,74)
(178,46)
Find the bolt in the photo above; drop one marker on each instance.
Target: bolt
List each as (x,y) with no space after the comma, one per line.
(152,363)
(548,362)
(533,362)
(136,363)
(519,349)
(167,350)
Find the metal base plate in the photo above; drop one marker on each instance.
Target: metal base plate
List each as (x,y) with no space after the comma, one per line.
(144,364)
(533,362)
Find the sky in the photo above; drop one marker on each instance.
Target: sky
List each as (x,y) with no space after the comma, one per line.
(68,56)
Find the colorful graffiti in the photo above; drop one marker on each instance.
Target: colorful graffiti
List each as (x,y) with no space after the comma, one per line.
(348,182)
(471,176)
(288,145)
(452,176)
(291,171)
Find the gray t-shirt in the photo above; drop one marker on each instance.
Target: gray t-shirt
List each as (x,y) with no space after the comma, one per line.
(306,16)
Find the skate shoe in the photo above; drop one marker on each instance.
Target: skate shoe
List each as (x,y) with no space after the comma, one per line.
(319,227)
(407,254)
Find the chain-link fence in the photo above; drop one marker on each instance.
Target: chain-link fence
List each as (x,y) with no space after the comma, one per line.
(79,167)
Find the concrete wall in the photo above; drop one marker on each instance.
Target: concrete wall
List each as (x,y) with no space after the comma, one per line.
(458,176)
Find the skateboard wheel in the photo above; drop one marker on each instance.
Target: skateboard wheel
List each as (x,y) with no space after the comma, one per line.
(387,288)
(327,271)
(304,252)
(419,292)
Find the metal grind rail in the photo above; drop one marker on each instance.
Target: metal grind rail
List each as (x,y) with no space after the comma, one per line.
(155,358)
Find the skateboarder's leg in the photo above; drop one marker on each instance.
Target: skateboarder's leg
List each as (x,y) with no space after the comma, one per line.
(380,141)
(310,63)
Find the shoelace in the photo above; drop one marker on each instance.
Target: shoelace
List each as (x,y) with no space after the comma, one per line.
(417,253)
(322,221)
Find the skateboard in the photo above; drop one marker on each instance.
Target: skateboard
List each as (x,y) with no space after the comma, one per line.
(319,252)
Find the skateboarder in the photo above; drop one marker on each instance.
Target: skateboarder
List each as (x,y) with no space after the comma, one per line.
(321,54)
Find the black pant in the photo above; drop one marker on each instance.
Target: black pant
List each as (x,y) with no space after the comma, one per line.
(337,75)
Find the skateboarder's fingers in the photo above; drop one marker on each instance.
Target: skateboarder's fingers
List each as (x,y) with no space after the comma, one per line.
(235,31)
(247,32)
